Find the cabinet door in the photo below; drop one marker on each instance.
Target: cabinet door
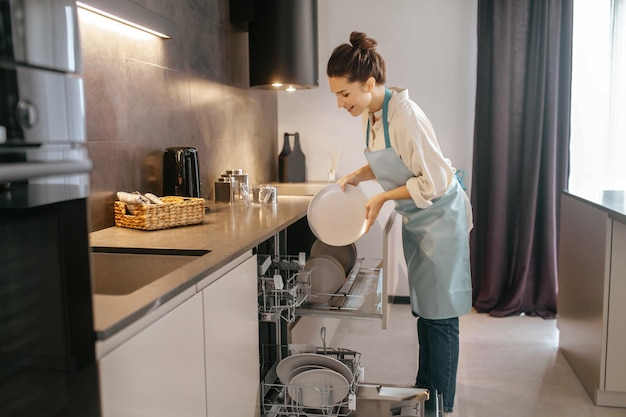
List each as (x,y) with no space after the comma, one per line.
(160,371)
(232,343)
(616,335)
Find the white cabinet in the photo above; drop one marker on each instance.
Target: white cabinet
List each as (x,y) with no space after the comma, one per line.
(616,334)
(159,371)
(231,342)
(201,358)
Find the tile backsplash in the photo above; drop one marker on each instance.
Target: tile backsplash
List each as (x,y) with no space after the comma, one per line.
(143,95)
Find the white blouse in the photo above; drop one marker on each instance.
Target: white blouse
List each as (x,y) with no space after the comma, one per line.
(413,138)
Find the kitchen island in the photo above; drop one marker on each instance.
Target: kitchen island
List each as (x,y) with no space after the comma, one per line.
(592,289)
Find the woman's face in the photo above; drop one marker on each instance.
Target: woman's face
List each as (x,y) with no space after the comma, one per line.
(355,97)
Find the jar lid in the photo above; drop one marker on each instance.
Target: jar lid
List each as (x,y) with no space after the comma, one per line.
(234,171)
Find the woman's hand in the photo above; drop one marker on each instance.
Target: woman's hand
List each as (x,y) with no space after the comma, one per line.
(372,208)
(362,174)
(374,204)
(351,179)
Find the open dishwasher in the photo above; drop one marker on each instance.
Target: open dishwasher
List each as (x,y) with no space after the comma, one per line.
(315,380)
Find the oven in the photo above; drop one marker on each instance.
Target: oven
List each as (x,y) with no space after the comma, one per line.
(287,297)
(47,338)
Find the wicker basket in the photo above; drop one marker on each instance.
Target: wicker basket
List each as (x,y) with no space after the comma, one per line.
(177,211)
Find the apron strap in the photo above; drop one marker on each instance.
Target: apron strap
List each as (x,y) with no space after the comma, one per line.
(385,122)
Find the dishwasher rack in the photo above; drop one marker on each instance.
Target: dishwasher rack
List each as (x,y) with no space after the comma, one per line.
(278,402)
(284,285)
(285,290)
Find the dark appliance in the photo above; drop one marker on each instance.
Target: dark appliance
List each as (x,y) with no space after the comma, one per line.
(181,172)
(47,340)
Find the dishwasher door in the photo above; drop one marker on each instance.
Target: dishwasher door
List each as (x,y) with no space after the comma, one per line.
(374,399)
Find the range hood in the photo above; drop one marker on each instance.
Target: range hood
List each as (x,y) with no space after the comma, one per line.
(282,42)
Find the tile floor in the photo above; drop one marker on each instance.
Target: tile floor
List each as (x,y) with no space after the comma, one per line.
(508,367)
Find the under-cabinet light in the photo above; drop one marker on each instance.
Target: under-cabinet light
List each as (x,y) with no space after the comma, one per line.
(131,14)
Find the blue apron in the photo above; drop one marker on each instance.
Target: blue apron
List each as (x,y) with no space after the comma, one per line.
(435,240)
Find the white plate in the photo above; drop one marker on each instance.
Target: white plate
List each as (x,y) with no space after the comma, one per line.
(337,217)
(286,366)
(327,276)
(318,388)
(303,368)
(345,254)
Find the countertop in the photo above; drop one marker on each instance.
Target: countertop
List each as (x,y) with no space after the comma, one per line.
(228,230)
(612,202)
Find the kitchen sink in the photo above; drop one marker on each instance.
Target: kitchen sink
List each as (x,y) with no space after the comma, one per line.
(121,271)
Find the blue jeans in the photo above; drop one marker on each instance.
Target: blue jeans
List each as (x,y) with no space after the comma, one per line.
(438,357)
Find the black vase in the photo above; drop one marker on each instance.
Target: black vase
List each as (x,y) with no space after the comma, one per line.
(291,163)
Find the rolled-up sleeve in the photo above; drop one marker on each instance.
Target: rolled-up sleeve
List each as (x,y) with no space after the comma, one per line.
(417,146)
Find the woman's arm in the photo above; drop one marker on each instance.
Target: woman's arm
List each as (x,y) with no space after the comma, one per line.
(413,137)
(374,204)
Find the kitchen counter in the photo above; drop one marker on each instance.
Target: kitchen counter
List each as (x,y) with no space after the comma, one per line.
(611,202)
(228,231)
(299,188)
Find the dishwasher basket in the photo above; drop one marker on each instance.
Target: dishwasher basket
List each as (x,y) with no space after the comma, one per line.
(284,400)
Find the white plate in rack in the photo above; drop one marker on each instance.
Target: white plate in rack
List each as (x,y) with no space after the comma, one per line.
(327,276)
(318,388)
(304,368)
(286,366)
(346,254)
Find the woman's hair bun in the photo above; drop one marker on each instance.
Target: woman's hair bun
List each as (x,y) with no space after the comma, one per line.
(359,40)
(357,61)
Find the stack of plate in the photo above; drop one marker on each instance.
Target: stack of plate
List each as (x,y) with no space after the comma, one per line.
(314,380)
(346,254)
(337,218)
(327,276)
(329,266)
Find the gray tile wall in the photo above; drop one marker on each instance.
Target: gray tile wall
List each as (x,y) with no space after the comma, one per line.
(143,96)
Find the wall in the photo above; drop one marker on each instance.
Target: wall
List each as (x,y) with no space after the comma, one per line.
(429,47)
(144,95)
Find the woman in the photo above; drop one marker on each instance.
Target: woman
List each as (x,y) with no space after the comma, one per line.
(404,157)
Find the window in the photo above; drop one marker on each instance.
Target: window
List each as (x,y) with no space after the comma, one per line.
(598,118)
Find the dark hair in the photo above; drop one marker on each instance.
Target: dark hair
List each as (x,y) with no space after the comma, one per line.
(357,61)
